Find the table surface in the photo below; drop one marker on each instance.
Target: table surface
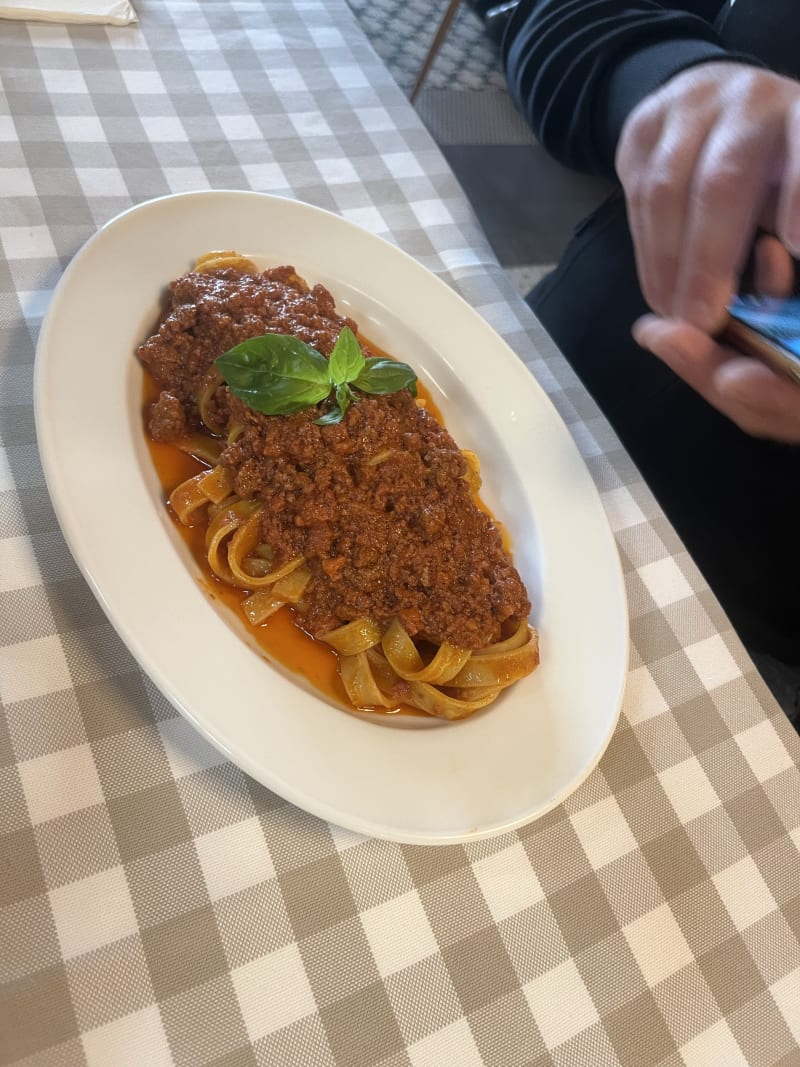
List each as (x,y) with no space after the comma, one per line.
(156,905)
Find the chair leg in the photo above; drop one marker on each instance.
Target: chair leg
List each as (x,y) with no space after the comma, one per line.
(436,44)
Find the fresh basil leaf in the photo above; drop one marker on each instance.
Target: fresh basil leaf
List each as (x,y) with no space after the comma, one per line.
(282,396)
(257,362)
(344,397)
(276,374)
(381,376)
(346,360)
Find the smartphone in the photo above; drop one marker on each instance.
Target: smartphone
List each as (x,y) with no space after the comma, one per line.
(769,329)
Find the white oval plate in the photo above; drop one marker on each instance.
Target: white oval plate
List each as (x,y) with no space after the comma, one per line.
(427,783)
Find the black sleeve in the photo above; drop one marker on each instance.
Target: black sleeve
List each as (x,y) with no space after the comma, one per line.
(576,68)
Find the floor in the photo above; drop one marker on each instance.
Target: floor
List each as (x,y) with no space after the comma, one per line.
(527,203)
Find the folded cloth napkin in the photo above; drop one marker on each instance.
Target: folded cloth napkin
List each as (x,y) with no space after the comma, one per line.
(113,12)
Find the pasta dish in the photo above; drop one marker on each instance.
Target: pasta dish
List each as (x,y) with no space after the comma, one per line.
(330,489)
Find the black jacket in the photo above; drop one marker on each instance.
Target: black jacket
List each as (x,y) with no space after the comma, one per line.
(576,68)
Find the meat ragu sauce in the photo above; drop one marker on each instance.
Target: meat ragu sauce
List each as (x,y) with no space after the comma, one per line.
(281,639)
(378,505)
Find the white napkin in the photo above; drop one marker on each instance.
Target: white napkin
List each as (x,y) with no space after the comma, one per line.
(114,12)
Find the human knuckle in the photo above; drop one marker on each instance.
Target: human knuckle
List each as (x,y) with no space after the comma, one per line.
(663,188)
(721,182)
(642,127)
(748,84)
(699,96)
(756,95)
(649,112)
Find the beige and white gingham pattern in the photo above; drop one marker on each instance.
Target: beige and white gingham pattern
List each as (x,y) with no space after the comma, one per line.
(156,905)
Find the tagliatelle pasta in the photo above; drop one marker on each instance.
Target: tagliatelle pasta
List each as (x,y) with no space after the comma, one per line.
(355,511)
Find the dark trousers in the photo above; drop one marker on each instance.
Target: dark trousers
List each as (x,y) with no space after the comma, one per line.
(733,499)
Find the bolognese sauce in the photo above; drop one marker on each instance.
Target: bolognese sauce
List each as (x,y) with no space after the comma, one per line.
(380,506)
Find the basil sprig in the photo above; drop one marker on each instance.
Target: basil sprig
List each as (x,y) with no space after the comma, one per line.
(278,374)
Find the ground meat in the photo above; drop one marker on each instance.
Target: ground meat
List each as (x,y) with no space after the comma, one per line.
(209,313)
(378,504)
(168,419)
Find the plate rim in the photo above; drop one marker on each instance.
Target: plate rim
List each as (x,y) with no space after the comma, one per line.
(280,785)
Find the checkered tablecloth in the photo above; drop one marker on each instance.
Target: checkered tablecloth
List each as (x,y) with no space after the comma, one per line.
(156,905)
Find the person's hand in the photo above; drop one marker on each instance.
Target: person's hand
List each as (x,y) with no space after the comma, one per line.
(758,400)
(703,161)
